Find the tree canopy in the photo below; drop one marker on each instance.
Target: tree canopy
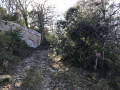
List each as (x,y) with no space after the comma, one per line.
(88,27)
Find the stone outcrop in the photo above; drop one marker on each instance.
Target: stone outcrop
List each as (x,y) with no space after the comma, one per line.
(30,36)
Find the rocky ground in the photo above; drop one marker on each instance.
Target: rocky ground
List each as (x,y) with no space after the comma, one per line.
(43,71)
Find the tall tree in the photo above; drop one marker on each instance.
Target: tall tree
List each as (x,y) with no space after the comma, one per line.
(21,5)
(88,26)
(42,15)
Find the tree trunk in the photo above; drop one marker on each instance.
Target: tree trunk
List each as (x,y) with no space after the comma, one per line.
(26,19)
(41,29)
(41,23)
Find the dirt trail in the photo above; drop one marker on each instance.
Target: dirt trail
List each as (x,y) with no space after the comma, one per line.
(38,59)
(40,71)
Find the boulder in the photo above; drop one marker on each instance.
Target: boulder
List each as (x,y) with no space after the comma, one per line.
(30,36)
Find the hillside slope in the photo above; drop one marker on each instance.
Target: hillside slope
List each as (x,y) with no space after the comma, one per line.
(42,71)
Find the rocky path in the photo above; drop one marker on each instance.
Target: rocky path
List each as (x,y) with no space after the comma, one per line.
(42,71)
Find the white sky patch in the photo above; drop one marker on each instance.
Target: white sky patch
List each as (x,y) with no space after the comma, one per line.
(60,5)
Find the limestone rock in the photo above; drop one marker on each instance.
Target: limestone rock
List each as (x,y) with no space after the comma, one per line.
(5,78)
(18,83)
(30,36)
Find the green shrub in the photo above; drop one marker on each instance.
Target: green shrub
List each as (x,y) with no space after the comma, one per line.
(15,17)
(12,46)
(17,46)
(88,30)
(83,34)
(3,12)
(48,38)
(32,79)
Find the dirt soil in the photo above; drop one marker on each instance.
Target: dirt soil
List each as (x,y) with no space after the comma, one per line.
(43,71)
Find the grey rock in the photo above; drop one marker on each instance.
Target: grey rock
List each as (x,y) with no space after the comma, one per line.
(30,36)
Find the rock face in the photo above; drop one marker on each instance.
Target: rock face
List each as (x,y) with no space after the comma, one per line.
(30,36)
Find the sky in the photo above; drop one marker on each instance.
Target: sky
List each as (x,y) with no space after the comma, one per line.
(62,5)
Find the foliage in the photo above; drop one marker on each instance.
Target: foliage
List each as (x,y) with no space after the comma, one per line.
(12,46)
(16,17)
(32,78)
(89,29)
(41,16)
(3,12)
(20,5)
(17,46)
(86,30)
(48,38)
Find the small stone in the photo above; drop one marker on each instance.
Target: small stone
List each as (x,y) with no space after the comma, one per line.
(18,83)
(4,89)
(28,68)
(61,70)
